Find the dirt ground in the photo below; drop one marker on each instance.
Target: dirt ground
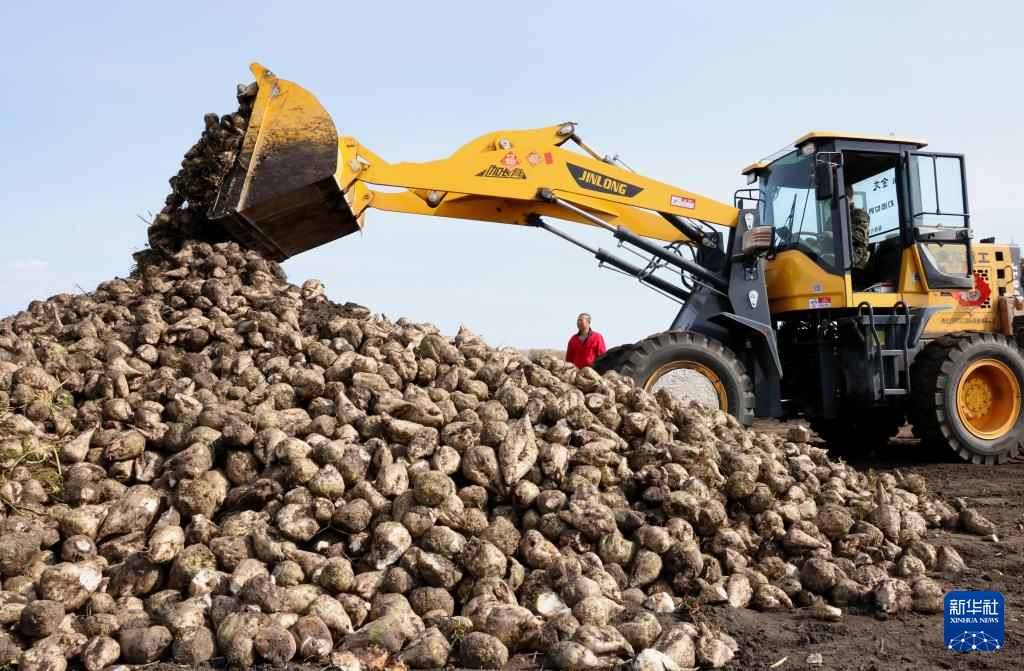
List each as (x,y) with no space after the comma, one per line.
(912,641)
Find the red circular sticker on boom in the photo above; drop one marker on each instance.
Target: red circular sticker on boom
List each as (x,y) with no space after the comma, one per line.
(976,296)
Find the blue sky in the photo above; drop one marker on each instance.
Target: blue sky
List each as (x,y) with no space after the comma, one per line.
(102,99)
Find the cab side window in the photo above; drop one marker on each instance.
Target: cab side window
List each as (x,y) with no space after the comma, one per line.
(874,180)
(801,221)
(877,195)
(938,198)
(938,190)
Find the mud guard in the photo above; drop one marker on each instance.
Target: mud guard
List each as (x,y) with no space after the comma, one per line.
(762,338)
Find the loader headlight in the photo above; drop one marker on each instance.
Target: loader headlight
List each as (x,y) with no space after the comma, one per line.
(757,240)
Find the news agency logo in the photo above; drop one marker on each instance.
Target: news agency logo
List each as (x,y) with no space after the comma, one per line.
(974,621)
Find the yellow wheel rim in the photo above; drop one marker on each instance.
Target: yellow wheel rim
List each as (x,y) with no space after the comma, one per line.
(988,399)
(716,382)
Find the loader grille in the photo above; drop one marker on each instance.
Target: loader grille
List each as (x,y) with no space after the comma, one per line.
(984,274)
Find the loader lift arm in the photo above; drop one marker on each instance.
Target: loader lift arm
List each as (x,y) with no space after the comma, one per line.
(294,168)
(497,177)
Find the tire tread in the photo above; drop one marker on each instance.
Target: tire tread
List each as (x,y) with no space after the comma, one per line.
(929,375)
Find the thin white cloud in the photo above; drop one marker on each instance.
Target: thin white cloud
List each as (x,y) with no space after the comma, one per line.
(29,265)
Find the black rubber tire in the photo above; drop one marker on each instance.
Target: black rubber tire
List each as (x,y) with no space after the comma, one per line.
(649,356)
(611,358)
(934,377)
(868,429)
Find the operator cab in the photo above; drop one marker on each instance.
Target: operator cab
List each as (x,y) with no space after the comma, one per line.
(918,237)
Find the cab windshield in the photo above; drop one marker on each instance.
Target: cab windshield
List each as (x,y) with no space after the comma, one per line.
(789,204)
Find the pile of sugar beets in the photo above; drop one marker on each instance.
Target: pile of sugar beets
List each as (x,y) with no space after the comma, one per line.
(203,461)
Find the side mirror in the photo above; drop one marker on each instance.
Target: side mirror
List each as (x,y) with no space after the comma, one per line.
(824,181)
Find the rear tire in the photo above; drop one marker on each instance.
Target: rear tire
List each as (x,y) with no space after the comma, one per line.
(652,362)
(967,395)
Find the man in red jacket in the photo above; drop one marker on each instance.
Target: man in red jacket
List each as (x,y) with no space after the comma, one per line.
(586,345)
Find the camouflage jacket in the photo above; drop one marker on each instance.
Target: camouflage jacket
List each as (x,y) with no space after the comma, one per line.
(859,224)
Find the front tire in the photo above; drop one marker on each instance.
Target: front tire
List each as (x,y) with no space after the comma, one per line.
(967,395)
(611,358)
(692,366)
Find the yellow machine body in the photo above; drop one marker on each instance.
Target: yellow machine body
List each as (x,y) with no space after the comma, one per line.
(796,283)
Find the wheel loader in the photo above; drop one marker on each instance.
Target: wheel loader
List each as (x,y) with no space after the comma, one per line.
(775,319)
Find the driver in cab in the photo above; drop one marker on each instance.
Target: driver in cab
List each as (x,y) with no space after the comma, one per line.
(860,222)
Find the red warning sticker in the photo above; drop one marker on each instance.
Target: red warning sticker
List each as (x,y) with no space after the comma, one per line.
(685,203)
(820,303)
(510,160)
(535,158)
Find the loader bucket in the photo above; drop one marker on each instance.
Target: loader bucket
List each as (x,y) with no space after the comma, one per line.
(281,198)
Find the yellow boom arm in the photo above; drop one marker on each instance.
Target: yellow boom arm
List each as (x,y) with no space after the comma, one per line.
(296,185)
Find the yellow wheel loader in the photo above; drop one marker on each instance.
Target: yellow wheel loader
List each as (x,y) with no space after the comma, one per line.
(776,318)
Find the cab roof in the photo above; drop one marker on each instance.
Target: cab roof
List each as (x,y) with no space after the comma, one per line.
(833,135)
